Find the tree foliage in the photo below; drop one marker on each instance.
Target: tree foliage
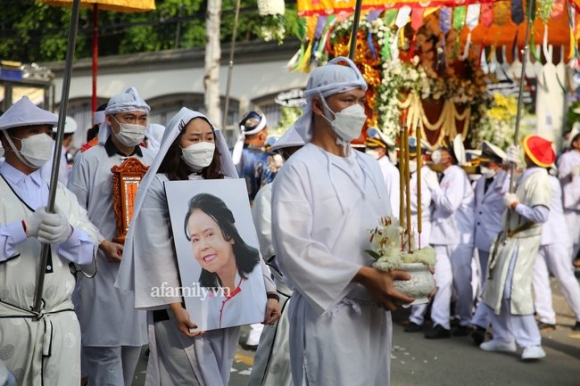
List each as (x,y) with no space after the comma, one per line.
(35,32)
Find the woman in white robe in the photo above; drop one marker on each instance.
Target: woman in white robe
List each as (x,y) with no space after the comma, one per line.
(177,356)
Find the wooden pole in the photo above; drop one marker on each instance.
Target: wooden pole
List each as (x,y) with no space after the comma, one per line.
(353,36)
(419,175)
(402,176)
(408,191)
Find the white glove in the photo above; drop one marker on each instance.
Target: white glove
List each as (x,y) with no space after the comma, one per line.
(575,171)
(54,228)
(33,222)
(513,154)
(431,180)
(509,199)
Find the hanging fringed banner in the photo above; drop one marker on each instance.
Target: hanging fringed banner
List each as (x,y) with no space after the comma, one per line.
(471,21)
(501,13)
(545,9)
(445,19)
(487,14)
(417,18)
(459,14)
(517,11)
(558,9)
(400,23)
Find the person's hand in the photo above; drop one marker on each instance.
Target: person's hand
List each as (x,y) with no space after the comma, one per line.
(32,222)
(510,200)
(54,228)
(513,154)
(431,180)
(379,284)
(184,324)
(113,251)
(272,312)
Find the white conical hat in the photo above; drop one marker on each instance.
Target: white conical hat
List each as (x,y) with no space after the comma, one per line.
(26,113)
(288,139)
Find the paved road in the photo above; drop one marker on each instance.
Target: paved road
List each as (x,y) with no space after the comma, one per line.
(417,361)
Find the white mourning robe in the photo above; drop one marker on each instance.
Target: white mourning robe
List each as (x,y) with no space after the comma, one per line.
(452,216)
(515,257)
(322,208)
(425,208)
(108,318)
(46,351)
(392,183)
(571,195)
(210,355)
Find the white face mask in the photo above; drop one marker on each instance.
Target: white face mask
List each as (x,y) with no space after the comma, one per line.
(436,156)
(130,135)
(348,123)
(199,155)
(35,150)
(487,172)
(412,166)
(373,153)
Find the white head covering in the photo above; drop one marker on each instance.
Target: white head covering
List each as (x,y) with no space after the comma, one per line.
(288,139)
(120,103)
(490,148)
(248,130)
(125,277)
(70,126)
(325,81)
(26,113)
(154,134)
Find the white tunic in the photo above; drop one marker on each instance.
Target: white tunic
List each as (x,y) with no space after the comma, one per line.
(102,304)
(425,208)
(489,209)
(45,351)
(392,183)
(555,230)
(322,207)
(570,186)
(452,216)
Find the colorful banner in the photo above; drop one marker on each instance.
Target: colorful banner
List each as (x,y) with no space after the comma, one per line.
(328,7)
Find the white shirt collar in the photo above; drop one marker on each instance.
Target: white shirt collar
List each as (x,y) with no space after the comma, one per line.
(15,176)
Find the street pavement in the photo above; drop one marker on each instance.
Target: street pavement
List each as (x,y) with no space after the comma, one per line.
(416,361)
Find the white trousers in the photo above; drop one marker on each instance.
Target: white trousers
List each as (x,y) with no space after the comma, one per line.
(453,272)
(573,224)
(255,333)
(508,328)
(481,316)
(111,366)
(554,258)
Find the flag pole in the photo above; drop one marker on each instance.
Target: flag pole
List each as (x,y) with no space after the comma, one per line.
(72,34)
(231,66)
(531,8)
(353,37)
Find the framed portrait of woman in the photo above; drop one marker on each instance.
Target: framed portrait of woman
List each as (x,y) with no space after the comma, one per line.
(217,253)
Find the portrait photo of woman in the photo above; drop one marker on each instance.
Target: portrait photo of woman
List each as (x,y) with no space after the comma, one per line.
(227,262)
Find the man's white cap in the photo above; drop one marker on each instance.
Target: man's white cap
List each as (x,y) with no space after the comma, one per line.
(120,103)
(288,139)
(324,81)
(70,126)
(488,148)
(26,113)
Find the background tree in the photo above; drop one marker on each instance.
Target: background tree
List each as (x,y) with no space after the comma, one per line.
(33,32)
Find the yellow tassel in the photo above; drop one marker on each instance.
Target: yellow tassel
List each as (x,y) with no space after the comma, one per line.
(304,65)
(572,52)
(401,37)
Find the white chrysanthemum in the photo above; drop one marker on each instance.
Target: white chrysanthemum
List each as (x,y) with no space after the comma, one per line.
(271,7)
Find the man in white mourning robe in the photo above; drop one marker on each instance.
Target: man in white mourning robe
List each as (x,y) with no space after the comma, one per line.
(113,331)
(554,258)
(324,200)
(508,289)
(377,148)
(452,238)
(569,175)
(39,348)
